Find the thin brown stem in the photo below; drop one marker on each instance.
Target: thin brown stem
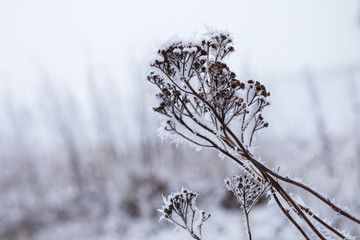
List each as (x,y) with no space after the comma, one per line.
(246,213)
(286,212)
(247,224)
(214,99)
(307,210)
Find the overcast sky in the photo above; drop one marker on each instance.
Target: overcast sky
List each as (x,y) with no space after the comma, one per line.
(116,38)
(280,36)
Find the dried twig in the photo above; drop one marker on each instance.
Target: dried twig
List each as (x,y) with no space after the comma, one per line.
(205,105)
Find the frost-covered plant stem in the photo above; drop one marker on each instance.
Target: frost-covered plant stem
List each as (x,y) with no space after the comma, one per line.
(203,103)
(269,175)
(248,224)
(179,208)
(247,190)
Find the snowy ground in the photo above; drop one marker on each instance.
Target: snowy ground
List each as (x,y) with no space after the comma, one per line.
(79,153)
(123,168)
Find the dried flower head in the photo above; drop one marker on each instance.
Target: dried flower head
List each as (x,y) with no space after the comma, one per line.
(202,102)
(247,189)
(200,96)
(179,208)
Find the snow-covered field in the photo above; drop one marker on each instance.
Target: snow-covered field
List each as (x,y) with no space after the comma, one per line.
(95,171)
(80,154)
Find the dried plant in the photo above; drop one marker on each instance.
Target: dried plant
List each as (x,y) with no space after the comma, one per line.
(203,103)
(179,208)
(247,191)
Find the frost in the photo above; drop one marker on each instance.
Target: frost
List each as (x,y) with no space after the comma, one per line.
(205,105)
(179,208)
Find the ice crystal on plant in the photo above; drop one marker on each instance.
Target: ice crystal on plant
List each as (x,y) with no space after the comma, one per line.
(247,190)
(203,103)
(197,88)
(179,208)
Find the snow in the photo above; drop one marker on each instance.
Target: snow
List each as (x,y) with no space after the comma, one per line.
(73,87)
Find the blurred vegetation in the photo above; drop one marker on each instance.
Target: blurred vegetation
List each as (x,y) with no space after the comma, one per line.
(91,155)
